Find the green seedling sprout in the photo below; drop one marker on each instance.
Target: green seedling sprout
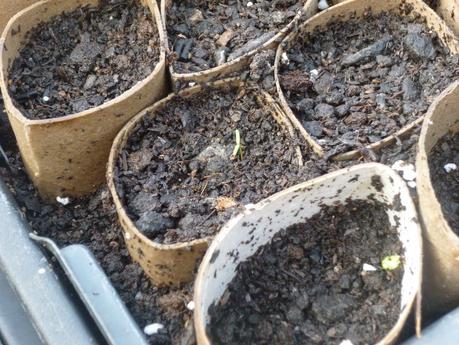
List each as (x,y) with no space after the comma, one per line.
(238,149)
(391,262)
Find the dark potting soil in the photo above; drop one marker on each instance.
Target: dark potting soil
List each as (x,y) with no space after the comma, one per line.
(357,82)
(307,286)
(83,58)
(92,221)
(205,34)
(177,174)
(444,173)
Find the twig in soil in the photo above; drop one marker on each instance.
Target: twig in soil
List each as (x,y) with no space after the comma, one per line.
(238,148)
(278,115)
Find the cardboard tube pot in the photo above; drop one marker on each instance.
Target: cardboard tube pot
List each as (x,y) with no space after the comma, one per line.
(214,73)
(356,9)
(449,11)
(9,8)
(441,243)
(68,155)
(234,244)
(167,264)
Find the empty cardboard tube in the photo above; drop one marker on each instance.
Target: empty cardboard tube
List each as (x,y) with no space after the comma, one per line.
(180,80)
(355,9)
(441,283)
(165,264)
(234,244)
(448,10)
(68,155)
(8,8)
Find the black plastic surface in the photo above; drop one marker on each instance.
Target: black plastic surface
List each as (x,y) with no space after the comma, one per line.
(13,317)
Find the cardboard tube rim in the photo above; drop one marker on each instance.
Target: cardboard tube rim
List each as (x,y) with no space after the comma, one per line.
(426,190)
(219,71)
(119,143)
(14,111)
(337,9)
(392,335)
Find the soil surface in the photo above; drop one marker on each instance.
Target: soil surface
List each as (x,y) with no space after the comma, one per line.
(444,172)
(357,82)
(91,221)
(178,176)
(205,34)
(307,285)
(83,58)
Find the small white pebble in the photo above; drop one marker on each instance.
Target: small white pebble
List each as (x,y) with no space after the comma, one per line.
(369,268)
(111,18)
(450,167)
(430,122)
(152,328)
(45,99)
(408,171)
(322,5)
(41,271)
(250,4)
(191,83)
(346,342)
(411,184)
(127,236)
(284,59)
(190,305)
(314,73)
(63,201)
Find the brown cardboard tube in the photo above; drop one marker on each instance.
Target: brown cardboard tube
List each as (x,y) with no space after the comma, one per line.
(180,80)
(355,9)
(9,8)
(169,264)
(449,11)
(441,283)
(68,155)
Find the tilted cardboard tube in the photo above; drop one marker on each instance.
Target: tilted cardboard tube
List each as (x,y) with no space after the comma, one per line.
(68,155)
(441,283)
(180,80)
(234,244)
(165,264)
(356,9)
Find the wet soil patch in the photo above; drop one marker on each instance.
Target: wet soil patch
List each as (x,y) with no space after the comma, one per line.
(180,177)
(444,174)
(307,286)
(83,58)
(355,83)
(205,34)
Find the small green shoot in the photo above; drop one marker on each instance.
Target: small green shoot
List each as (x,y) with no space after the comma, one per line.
(238,149)
(391,262)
